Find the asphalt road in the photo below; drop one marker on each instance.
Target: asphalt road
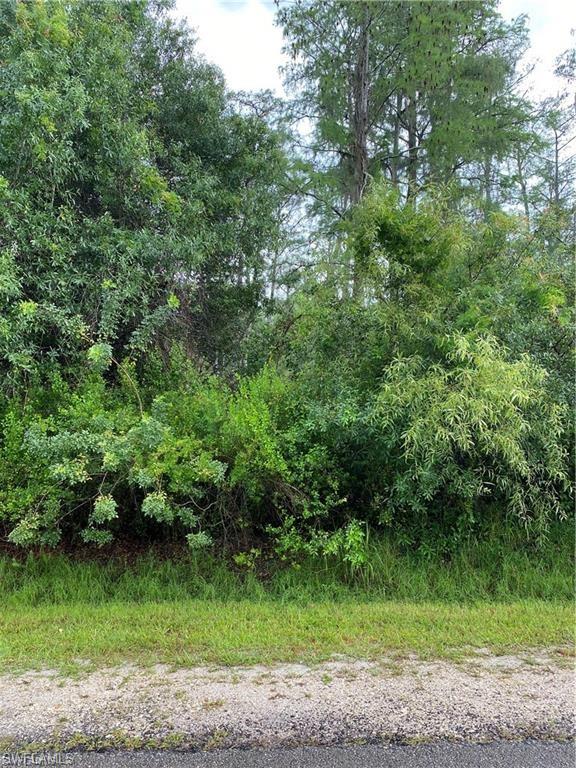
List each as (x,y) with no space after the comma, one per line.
(498,755)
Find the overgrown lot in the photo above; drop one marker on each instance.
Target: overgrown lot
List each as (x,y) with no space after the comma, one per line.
(340,375)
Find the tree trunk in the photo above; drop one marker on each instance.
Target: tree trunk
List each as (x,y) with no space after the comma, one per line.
(273,273)
(360,90)
(396,143)
(487,184)
(523,185)
(556,168)
(360,117)
(412,114)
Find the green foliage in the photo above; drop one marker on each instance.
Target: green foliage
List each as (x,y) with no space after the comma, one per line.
(474,429)
(107,465)
(418,380)
(100,356)
(135,197)
(496,567)
(435,448)
(404,412)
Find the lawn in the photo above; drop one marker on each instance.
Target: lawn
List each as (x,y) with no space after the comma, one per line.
(245,632)
(183,609)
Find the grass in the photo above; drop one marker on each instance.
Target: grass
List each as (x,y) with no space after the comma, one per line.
(213,632)
(502,568)
(192,609)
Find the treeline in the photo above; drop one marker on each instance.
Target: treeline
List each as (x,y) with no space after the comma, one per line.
(253,323)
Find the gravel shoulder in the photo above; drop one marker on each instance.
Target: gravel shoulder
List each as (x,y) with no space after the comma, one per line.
(407,701)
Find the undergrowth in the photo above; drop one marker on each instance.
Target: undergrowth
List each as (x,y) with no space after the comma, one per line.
(499,568)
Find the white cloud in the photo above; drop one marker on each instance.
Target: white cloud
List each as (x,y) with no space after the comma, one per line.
(551,23)
(240,37)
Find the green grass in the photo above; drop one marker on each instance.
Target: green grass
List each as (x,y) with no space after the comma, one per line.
(192,609)
(213,632)
(499,569)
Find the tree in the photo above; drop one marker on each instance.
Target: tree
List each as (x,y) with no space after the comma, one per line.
(136,194)
(410,91)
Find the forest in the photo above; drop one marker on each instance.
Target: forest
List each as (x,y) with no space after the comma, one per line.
(279,331)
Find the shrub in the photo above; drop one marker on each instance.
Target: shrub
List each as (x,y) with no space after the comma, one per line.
(191,460)
(474,430)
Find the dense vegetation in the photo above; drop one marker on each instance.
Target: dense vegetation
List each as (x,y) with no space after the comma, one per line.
(220,327)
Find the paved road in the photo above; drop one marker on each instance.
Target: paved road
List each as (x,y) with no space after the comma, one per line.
(498,755)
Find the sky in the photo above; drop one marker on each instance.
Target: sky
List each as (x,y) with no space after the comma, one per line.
(240,37)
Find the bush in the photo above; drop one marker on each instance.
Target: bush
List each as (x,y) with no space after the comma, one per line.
(435,448)
(474,431)
(193,459)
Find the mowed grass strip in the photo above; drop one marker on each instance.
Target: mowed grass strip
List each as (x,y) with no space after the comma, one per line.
(244,632)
